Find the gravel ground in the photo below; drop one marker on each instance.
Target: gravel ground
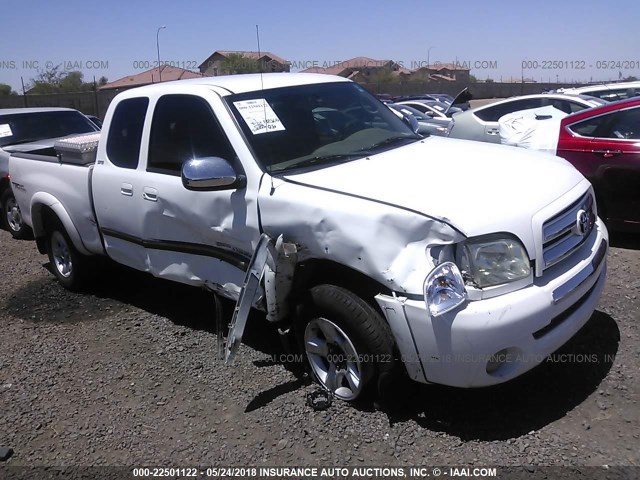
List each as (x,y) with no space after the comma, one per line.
(127,375)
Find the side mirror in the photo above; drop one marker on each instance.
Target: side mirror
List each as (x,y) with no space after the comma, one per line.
(210,173)
(430,114)
(411,121)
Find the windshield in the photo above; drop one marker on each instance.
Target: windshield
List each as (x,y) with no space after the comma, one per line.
(20,128)
(316,125)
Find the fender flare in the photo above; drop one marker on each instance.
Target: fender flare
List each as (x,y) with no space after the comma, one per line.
(43,199)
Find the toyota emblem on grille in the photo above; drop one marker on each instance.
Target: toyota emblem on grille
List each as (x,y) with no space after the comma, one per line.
(582,223)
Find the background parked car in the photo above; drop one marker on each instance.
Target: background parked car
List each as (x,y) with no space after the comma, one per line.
(431,108)
(97,122)
(481,123)
(426,125)
(610,92)
(31,130)
(604,145)
(448,99)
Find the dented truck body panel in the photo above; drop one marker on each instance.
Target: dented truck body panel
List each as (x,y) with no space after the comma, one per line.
(381,215)
(384,242)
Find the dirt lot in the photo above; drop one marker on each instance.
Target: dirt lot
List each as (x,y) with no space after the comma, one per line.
(126,375)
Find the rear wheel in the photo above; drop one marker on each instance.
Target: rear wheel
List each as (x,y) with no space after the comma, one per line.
(13,217)
(346,342)
(68,265)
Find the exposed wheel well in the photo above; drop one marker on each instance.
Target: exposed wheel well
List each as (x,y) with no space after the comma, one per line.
(4,184)
(42,217)
(316,272)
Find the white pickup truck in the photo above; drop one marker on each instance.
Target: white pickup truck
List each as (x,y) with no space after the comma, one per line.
(465,264)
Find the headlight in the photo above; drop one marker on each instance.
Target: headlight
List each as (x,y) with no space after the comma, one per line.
(493,260)
(444,289)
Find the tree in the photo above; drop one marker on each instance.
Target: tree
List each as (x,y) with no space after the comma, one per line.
(238,63)
(103,80)
(72,82)
(52,80)
(383,76)
(472,79)
(47,81)
(631,78)
(6,90)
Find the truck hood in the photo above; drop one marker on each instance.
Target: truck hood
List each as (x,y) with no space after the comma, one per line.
(475,187)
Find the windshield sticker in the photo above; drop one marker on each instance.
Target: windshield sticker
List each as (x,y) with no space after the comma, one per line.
(259,116)
(5,130)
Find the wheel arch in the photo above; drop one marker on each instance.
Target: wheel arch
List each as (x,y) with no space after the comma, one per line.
(5,184)
(46,208)
(312,272)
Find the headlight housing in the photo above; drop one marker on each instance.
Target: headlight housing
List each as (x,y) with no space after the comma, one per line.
(493,260)
(444,289)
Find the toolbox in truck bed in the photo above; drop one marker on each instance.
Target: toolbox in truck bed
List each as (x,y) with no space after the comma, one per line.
(78,149)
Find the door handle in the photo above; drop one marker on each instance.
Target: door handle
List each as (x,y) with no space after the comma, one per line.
(126,189)
(150,194)
(608,153)
(493,131)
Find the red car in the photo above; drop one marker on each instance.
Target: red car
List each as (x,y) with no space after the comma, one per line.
(603,143)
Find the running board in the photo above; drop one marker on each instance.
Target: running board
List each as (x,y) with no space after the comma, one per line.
(275,262)
(254,274)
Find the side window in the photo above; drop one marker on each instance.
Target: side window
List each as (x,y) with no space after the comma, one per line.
(599,93)
(567,106)
(420,107)
(576,107)
(613,94)
(592,127)
(625,125)
(493,114)
(125,133)
(184,128)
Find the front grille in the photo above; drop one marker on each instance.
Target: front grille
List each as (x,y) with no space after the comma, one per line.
(564,233)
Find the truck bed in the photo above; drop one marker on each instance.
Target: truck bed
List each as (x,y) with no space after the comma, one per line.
(57,184)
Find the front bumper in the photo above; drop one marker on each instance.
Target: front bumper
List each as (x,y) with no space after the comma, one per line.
(491,341)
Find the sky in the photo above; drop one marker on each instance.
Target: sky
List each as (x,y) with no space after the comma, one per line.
(565,40)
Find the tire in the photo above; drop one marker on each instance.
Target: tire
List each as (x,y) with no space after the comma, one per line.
(346,342)
(69,266)
(12,217)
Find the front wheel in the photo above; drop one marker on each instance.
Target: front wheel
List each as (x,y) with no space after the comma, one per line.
(346,342)
(68,265)
(13,217)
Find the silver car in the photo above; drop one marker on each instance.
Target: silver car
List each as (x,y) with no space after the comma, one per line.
(481,123)
(427,125)
(432,108)
(31,130)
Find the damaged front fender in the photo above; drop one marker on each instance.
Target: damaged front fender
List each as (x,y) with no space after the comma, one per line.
(387,243)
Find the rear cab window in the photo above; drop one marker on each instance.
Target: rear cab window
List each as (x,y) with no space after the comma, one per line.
(125,132)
